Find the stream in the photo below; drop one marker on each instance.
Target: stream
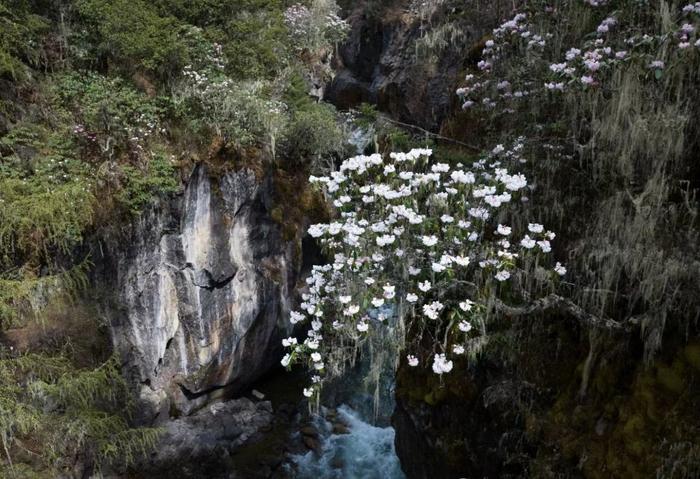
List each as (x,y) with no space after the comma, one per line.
(366,452)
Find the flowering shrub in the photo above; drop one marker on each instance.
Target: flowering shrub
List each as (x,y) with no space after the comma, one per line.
(617,40)
(419,249)
(316,26)
(241,111)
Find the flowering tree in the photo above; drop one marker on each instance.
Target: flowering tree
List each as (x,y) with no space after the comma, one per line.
(590,76)
(419,251)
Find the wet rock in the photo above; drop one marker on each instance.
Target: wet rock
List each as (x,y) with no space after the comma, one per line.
(337,463)
(340,428)
(378,64)
(312,443)
(310,431)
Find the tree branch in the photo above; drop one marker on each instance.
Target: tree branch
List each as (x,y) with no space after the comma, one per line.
(558,303)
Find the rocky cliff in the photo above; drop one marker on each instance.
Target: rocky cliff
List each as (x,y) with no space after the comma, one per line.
(382,63)
(200,291)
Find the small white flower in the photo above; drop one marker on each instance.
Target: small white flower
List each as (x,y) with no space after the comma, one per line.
(535,228)
(424,286)
(389,291)
(458,349)
(377,302)
(559,269)
(411,298)
(286,360)
(429,240)
(464,326)
(316,357)
(308,392)
(461,260)
(412,361)
(317,231)
(438,268)
(544,246)
(466,305)
(291,341)
(502,275)
(503,230)
(344,299)
(441,365)
(295,317)
(528,242)
(362,326)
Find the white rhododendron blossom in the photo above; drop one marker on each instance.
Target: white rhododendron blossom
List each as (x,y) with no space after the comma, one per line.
(426,253)
(441,364)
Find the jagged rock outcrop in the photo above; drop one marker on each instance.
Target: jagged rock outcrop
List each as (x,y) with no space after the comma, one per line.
(199,292)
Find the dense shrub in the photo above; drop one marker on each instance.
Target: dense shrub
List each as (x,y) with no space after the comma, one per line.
(20,39)
(140,186)
(135,35)
(314,135)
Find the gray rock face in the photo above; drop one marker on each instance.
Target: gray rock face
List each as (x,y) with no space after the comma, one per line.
(201,291)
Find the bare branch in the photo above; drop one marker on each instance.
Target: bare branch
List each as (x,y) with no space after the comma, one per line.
(558,303)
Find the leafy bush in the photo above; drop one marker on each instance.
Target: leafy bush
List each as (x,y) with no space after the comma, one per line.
(20,32)
(46,203)
(314,134)
(316,27)
(617,75)
(415,264)
(140,186)
(109,112)
(255,45)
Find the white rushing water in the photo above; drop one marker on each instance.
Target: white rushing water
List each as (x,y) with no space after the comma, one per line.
(367,452)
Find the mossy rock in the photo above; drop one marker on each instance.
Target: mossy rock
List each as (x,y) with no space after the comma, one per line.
(670,378)
(435,396)
(691,353)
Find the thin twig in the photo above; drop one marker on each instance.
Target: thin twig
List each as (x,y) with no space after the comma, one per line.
(430,133)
